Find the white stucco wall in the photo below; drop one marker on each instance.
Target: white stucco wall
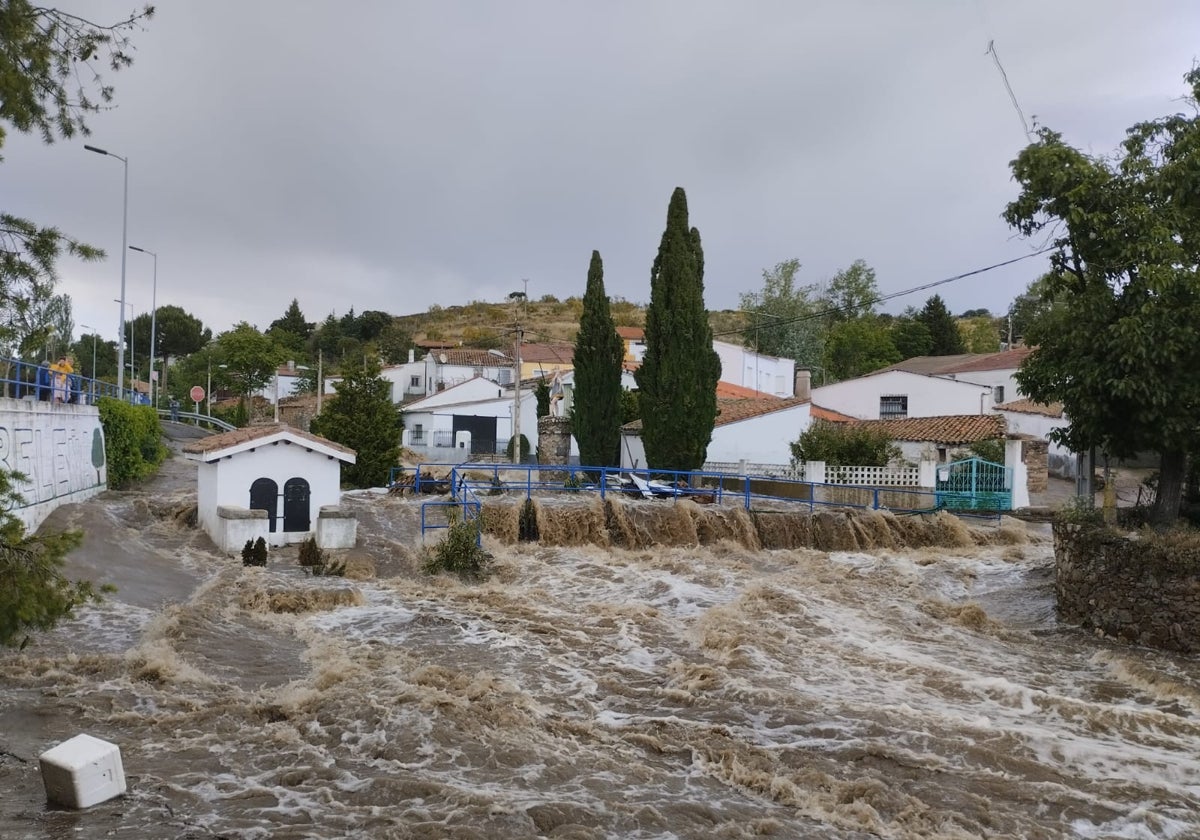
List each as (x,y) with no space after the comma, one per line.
(928,396)
(58,447)
(227,482)
(440,418)
(1003,378)
(764,439)
(1062,461)
(742,366)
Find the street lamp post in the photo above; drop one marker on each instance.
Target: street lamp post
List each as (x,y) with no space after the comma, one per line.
(121,346)
(153,324)
(124,242)
(94,337)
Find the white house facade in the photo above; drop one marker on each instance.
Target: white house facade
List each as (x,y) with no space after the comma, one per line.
(893,394)
(1027,417)
(471,419)
(285,474)
(754,430)
(757,371)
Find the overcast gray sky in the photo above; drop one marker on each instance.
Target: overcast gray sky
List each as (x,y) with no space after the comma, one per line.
(393,155)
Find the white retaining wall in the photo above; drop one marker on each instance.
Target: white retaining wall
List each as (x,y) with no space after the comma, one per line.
(60,450)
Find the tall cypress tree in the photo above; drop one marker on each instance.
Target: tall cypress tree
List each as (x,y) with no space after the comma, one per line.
(598,355)
(943,329)
(678,377)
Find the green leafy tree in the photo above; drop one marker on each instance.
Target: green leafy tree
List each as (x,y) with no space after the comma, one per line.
(363,418)
(599,352)
(678,376)
(943,329)
(105,353)
(250,358)
(782,317)
(49,84)
(393,344)
(178,333)
(541,393)
(293,322)
(1028,308)
(911,337)
(630,406)
(844,444)
(36,593)
(1118,347)
(851,293)
(980,334)
(858,346)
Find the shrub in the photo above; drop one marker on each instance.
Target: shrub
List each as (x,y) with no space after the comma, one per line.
(460,553)
(989,450)
(315,562)
(254,552)
(133,444)
(525,450)
(527,524)
(844,444)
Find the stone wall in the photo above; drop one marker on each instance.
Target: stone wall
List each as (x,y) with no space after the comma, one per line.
(554,441)
(1139,589)
(1035,453)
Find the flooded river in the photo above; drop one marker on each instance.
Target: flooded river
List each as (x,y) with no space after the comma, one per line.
(675,691)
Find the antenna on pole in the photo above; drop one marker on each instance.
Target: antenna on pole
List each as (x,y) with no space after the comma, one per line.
(991,50)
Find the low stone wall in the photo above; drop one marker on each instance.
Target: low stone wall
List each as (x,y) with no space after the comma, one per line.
(337,527)
(238,525)
(1142,590)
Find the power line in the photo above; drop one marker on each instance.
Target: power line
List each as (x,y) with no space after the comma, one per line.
(837,310)
(991,50)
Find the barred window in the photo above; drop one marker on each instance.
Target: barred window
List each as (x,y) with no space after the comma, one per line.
(893,407)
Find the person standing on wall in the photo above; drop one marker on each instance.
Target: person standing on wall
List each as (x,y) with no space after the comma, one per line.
(60,373)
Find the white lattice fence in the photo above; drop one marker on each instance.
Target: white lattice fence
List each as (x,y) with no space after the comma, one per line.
(874,476)
(759,470)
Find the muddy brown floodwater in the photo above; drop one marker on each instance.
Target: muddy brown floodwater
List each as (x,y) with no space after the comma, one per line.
(672,691)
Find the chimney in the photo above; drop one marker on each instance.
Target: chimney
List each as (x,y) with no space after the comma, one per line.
(411,355)
(802,384)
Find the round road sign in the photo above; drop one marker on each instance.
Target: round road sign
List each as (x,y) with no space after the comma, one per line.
(197,393)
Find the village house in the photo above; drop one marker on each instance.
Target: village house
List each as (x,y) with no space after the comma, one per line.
(271,481)
(890,394)
(940,439)
(473,419)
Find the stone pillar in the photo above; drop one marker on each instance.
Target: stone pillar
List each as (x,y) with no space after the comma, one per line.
(1035,454)
(554,445)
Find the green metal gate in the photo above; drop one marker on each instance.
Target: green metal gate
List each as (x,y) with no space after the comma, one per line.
(974,484)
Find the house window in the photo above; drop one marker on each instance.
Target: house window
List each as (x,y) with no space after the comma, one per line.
(418,435)
(893,407)
(941,453)
(414,382)
(998,393)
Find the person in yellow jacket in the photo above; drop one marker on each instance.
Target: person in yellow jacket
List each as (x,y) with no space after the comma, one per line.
(60,379)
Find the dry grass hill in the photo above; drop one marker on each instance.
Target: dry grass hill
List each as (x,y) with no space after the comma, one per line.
(491,325)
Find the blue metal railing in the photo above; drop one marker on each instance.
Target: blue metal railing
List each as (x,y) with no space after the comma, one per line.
(31,380)
(467,481)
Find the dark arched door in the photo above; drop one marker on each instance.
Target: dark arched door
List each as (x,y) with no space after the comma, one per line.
(295,505)
(264,495)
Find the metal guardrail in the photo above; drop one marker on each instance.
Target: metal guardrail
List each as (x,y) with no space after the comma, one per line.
(196,418)
(35,380)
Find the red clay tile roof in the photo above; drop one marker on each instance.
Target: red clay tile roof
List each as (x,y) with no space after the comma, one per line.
(829,415)
(736,410)
(561,353)
(631,333)
(226,440)
(952,428)
(473,357)
(1028,406)
(1004,360)
(729,391)
(962,362)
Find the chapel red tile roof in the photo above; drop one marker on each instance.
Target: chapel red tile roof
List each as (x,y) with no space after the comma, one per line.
(950,429)
(248,434)
(631,333)
(1028,406)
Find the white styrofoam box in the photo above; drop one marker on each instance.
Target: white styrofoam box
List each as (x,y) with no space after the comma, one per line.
(82,772)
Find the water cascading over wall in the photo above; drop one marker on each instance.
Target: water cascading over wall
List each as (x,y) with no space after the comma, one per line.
(642,524)
(58,447)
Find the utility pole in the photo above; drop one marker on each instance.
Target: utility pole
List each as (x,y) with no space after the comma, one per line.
(517,297)
(320,385)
